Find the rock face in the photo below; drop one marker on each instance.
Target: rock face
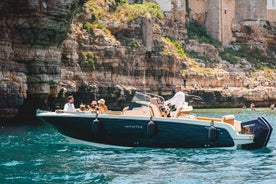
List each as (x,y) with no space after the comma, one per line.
(32,32)
(238,97)
(48,51)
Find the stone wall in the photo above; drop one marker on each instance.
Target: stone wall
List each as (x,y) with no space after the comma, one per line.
(227,19)
(174,18)
(271,15)
(198,10)
(271,10)
(165,5)
(147,33)
(213,18)
(250,10)
(219,15)
(178,7)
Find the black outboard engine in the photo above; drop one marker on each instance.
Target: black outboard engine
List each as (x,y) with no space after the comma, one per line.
(261,129)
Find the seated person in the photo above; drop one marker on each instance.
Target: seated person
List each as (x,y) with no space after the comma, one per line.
(102,107)
(69,106)
(82,108)
(93,107)
(178,99)
(272,107)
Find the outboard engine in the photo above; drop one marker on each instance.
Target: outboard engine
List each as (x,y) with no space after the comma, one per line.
(261,129)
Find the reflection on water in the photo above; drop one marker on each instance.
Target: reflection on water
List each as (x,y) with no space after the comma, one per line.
(31,154)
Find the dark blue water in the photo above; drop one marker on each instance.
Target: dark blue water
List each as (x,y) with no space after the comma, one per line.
(39,154)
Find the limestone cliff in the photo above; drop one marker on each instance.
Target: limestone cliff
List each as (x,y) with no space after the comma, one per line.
(32,32)
(102,49)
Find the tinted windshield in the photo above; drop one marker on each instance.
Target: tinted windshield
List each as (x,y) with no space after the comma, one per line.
(139,96)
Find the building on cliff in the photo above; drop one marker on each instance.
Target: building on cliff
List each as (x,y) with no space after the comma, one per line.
(219,16)
(178,7)
(271,10)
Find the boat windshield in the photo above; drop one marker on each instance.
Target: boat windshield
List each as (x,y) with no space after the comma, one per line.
(143,99)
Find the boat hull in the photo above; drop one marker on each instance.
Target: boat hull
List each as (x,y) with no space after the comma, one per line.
(128,131)
(141,133)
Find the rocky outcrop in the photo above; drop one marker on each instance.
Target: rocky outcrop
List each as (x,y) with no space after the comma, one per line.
(259,32)
(30,51)
(232,97)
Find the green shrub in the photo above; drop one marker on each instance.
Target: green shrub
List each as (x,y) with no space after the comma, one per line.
(81,57)
(88,27)
(188,9)
(90,58)
(178,46)
(209,62)
(228,57)
(198,31)
(120,2)
(134,11)
(252,54)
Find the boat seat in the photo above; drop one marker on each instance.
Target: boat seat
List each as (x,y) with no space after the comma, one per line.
(237,125)
(138,111)
(185,110)
(59,111)
(229,119)
(155,110)
(155,107)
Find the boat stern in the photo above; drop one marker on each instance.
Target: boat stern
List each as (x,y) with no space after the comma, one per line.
(261,129)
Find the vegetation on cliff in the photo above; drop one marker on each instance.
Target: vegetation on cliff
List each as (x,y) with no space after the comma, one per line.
(105,13)
(121,11)
(233,53)
(112,38)
(110,17)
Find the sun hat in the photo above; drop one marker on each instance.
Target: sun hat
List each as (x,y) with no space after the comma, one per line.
(101,101)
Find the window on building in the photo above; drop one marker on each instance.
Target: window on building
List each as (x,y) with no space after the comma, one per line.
(271,4)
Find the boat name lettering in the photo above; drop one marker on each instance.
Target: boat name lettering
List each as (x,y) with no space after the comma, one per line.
(134,126)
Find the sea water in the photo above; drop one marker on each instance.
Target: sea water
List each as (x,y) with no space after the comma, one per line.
(37,153)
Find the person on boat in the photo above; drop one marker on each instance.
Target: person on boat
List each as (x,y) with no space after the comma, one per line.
(93,106)
(69,106)
(178,99)
(102,107)
(252,107)
(82,108)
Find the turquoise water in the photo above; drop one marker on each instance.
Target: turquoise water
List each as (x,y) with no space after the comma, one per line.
(37,153)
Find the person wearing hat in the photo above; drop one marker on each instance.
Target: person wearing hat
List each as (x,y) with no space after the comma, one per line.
(69,106)
(178,99)
(102,107)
